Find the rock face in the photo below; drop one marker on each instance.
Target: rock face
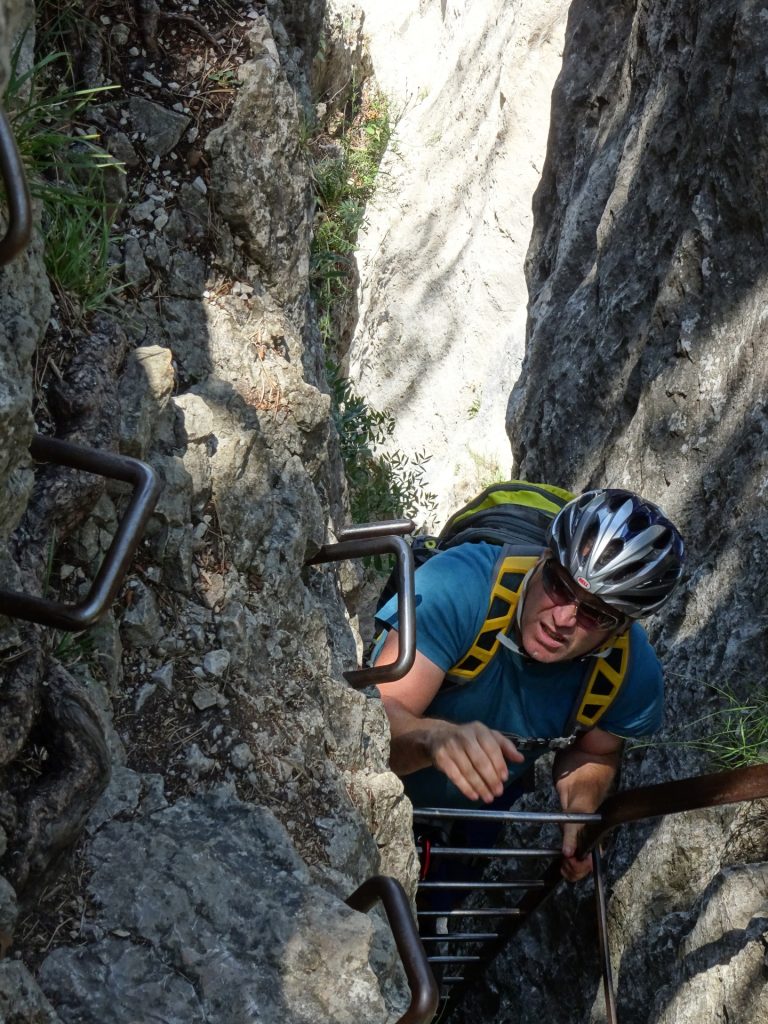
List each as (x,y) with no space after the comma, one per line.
(205,910)
(443,297)
(645,368)
(249,791)
(242,768)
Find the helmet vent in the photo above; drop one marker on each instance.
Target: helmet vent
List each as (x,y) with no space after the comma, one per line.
(628,572)
(588,542)
(611,551)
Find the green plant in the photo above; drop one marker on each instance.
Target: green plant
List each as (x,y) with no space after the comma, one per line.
(733,736)
(71,648)
(65,167)
(739,735)
(487,469)
(77,251)
(383,484)
(343,184)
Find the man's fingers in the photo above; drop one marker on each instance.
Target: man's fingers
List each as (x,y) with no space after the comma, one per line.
(471,757)
(469,768)
(508,748)
(574,869)
(570,838)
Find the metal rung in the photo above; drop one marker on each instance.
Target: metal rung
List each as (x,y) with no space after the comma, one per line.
(530,817)
(75,617)
(477,912)
(375,539)
(462,937)
(456,959)
(536,883)
(19,228)
(469,851)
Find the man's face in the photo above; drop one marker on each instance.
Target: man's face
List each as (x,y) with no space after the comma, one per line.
(550,630)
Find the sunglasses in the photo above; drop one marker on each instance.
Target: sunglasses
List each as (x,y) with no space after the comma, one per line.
(560,588)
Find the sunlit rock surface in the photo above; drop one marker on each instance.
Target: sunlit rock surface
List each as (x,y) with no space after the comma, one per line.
(443,297)
(249,784)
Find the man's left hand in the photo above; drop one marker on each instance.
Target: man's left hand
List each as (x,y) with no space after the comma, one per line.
(573,868)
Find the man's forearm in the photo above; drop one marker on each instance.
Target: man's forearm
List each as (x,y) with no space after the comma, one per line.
(474,757)
(410,744)
(584,780)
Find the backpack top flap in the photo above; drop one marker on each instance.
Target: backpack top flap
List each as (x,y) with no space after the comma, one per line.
(514,512)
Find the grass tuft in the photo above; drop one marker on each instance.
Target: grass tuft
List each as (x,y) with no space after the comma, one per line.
(732,736)
(65,167)
(739,735)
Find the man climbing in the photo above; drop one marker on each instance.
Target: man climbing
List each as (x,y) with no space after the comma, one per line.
(517,655)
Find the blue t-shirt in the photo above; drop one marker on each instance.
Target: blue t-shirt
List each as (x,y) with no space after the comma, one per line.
(513,694)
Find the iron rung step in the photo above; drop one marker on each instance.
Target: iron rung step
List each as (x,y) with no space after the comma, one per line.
(477,912)
(499,886)
(456,959)
(482,851)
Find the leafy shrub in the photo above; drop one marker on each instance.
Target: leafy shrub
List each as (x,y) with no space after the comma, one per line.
(383,484)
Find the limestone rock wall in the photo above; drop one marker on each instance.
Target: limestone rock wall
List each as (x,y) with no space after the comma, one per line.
(645,367)
(189,792)
(443,297)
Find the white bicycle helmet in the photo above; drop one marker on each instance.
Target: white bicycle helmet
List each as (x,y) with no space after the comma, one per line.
(620,548)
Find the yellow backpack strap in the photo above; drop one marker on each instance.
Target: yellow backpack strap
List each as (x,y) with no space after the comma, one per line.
(602,685)
(509,574)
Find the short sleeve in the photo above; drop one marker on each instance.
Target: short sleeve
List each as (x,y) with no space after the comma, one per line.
(638,710)
(452,593)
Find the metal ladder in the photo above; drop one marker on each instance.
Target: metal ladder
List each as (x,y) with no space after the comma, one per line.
(462,955)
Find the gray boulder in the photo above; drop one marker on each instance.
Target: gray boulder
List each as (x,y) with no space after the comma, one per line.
(212,915)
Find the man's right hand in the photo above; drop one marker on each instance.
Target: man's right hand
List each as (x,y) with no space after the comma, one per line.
(473,757)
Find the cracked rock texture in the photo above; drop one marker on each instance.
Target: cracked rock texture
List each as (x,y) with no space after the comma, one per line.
(249,793)
(209,788)
(205,910)
(645,367)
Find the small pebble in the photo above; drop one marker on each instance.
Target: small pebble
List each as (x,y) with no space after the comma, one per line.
(204,699)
